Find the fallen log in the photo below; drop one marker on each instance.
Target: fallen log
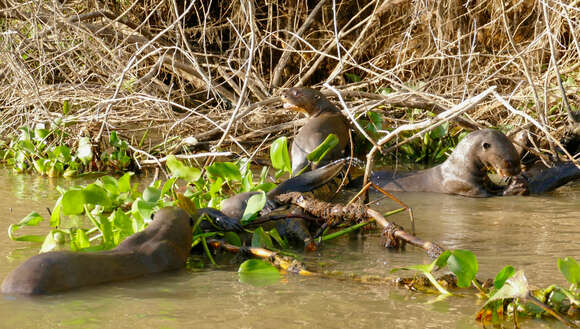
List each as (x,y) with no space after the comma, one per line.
(394,235)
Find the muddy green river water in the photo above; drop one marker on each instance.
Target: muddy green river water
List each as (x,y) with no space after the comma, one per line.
(529,233)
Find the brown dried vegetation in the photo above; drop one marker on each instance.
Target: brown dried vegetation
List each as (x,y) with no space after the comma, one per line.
(212,69)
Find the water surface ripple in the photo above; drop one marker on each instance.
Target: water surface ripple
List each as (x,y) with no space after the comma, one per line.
(529,233)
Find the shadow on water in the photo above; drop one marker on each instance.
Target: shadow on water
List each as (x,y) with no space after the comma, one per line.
(526,232)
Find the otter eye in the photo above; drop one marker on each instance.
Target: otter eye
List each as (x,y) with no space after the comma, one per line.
(316,96)
(486,146)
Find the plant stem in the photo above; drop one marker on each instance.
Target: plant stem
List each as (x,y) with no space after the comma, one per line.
(207,252)
(357,226)
(479,287)
(346,230)
(436,284)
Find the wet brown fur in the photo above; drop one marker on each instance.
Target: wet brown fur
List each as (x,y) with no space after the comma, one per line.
(163,246)
(464,172)
(324,119)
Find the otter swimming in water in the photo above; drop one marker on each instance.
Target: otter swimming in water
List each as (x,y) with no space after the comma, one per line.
(163,246)
(464,172)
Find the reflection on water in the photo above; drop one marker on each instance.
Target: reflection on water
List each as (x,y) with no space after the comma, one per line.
(526,232)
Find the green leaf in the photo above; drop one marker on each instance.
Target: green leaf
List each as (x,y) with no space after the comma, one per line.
(502,276)
(79,240)
(261,240)
(408,150)
(441,261)
(514,287)
(244,165)
(247,182)
(321,150)
(216,187)
(70,171)
(114,139)
(423,268)
(73,202)
(85,150)
(263,175)
(26,145)
(25,133)
(570,269)
(32,219)
(40,133)
(464,264)
(440,132)
(106,230)
(385,91)
(151,194)
(180,170)
(353,77)
(65,107)
(226,170)
(276,236)
(258,273)
(233,238)
(124,160)
(94,194)
(62,153)
(144,208)
(279,155)
(39,166)
(376,119)
(122,225)
(266,187)
(426,269)
(56,170)
(375,122)
(256,266)
(54,240)
(55,215)
(125,182)
(110,184)
(167,186)
(255,203)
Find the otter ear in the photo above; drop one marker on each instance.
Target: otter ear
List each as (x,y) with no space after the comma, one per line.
(486,145)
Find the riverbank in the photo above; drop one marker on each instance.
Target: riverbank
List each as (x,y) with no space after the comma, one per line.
(189,80)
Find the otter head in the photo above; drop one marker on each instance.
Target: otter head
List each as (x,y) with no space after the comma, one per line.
(495,151)
(175,225)
(305,100)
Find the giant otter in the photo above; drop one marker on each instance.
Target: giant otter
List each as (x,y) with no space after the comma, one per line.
(540,179)
(464,172)
(323,119)
(163,246)
(536,178)
(233,208)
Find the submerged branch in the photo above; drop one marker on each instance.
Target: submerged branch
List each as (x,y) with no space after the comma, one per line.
(395,236)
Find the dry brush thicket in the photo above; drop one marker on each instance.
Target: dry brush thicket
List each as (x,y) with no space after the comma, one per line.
(160,71)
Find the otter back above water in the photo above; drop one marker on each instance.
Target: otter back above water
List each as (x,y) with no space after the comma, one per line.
(235,206)
(163,246)
(464,172)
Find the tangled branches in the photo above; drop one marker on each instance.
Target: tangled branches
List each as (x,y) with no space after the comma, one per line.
(157,72)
